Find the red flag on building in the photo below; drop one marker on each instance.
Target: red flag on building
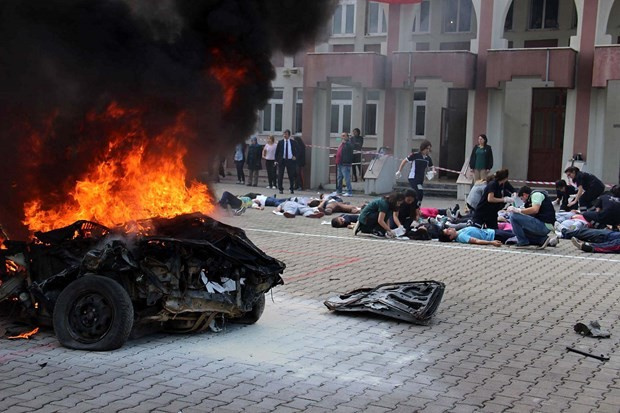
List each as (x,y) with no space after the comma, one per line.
(400,1)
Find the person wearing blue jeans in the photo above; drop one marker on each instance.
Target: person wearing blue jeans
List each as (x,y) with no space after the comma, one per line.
(344,160)
(595,240)
(533,224)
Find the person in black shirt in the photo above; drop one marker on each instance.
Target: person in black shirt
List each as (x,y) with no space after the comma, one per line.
(589,187)
(358,143)
(419,162)
(495,196)
(563,193)
(409,210)
(606,210)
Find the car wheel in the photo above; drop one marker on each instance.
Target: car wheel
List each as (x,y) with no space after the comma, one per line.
(93,313)
(254,314)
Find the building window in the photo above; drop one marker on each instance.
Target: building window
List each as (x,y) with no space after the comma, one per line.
(341,111)
(419,114)
(343,21)
(508,21)
(544,14)
(372,112)
(457,15)
(299,109)
(271,115)
(422,17)
(376,23)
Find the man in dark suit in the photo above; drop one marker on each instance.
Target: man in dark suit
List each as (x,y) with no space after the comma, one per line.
(286,157)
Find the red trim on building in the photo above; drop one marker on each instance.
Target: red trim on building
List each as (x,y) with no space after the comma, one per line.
(585,63)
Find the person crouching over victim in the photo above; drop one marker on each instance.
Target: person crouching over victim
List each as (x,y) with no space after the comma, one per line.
(375,215)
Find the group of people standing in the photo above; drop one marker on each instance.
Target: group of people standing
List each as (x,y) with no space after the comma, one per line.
(288,154)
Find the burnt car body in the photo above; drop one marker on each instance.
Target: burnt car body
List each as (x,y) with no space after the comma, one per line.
(93,284)
(413,301)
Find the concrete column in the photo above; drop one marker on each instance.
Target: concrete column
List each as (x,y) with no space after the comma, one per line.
(495,131)
(390,94)
(357,109)
(481,101)
(320,118)
(586,32)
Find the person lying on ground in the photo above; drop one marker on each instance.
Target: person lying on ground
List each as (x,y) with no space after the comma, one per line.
(474,235)
(533,224)
(591,235)
(573,224)
(374,217)
(290,209)
(331,205)
(237,204)
(269,201)
(345,221)
(611,246)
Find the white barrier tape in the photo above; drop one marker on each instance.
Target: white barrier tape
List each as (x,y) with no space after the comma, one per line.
(437,167)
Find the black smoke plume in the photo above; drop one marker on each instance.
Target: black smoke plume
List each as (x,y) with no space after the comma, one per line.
(61,60)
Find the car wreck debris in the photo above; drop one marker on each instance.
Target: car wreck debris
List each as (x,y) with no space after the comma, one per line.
(601,357)
(93,284)
(415,302)
(592,329)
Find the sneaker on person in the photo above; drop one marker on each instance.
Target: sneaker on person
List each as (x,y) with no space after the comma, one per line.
(356,228)
(289,215)
(554,241)
(317,214)
(239,211)
(545,244)
(512,240)
(347,194)
(583,246)
(378,234)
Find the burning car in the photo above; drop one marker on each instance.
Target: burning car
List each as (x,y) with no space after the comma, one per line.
(93,284)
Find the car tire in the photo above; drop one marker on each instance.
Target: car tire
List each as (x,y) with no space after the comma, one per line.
(93,313)
(254,314)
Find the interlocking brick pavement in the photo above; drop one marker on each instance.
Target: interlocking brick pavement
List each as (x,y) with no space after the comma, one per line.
(496,344)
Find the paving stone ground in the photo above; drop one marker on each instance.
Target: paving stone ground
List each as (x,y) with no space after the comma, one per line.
(497,343)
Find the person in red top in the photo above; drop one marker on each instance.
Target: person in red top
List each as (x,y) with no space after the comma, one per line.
(344,160)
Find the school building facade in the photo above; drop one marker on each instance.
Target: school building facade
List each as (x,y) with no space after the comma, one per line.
(541,78)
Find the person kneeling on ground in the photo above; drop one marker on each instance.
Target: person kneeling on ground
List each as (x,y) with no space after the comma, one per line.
(375,215)
(345,221)
(606,210)
(533,224)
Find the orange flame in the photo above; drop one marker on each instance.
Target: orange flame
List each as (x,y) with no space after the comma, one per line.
(138,177)
(25,335)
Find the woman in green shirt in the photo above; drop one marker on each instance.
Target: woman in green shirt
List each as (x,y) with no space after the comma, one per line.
(374,217)
(481,159)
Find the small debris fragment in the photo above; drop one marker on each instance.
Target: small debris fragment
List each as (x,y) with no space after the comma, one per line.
(592,329)
(601,357)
